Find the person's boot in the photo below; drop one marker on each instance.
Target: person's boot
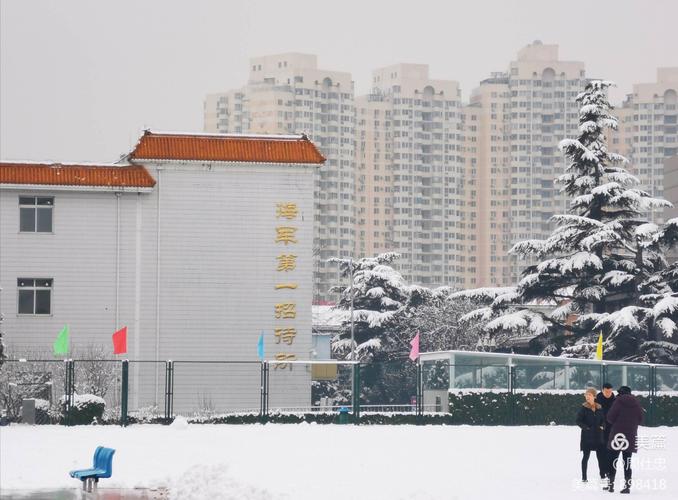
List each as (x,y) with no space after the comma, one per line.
(627,487)
(610,488)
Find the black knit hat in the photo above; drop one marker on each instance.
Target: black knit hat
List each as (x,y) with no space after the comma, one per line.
(624,389)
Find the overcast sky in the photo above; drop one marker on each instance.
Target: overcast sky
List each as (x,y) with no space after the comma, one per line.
(79,80)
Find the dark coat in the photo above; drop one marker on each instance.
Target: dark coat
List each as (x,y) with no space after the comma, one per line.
(606,403)
(591,423)
(625,416)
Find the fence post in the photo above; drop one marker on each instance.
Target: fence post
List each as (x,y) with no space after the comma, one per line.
(267,386)
(124,392)
(263,395)
(169,391)
(356,393)
(69,390)
(653,393)
(261,392)
(512,394)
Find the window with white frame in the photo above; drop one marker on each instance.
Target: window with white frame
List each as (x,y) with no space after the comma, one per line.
(35,295)
(35,214)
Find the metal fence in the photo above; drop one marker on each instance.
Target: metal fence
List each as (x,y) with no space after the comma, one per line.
(158,391)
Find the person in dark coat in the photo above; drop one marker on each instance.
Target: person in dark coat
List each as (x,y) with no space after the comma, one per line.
(591,420)
(624,417)
(605,398)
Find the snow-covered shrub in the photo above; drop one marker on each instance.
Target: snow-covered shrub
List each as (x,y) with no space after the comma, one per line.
(146,414)
(19,381)
(84,409)
(44,413)
(337,392)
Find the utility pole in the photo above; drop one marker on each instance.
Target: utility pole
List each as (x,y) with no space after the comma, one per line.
(350,264)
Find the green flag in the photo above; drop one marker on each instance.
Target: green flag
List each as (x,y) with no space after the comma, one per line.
(61,343)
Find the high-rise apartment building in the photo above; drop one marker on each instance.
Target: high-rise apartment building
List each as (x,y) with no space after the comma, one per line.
(487,150)
(226,111)
(648,128)
(450,187)
(522,116)
(410,174)
(289,93)
(671,186)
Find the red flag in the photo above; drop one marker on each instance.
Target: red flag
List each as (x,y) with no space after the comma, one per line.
(414,352)
(120,341)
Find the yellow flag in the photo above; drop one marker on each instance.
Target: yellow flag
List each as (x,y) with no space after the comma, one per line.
(599,349)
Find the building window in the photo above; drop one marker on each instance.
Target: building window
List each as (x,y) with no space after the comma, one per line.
(35,214)
(35,295)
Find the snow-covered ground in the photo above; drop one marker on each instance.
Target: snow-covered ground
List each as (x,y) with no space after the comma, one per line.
(306,461)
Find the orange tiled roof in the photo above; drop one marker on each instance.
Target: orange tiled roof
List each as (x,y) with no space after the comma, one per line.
(57,174)
(226,147)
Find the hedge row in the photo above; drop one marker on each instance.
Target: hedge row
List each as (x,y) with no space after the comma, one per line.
(469,408)
(483,408)
(486,408)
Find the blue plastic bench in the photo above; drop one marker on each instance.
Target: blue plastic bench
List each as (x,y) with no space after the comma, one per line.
(102,467)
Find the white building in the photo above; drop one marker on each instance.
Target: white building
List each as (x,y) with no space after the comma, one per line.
(288,93)
(197,245)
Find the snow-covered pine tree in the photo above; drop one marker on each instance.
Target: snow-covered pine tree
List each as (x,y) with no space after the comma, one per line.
(381,299)
(601,267)
(380,295)
(649,324)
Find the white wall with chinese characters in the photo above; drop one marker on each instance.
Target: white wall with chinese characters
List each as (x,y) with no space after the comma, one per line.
(196,269)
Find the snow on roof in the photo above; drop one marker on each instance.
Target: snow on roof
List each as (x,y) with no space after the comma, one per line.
(67,163)
(290,137)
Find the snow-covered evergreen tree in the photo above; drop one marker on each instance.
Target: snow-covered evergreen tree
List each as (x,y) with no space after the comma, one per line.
(380,296)
(602,268)
(388,312)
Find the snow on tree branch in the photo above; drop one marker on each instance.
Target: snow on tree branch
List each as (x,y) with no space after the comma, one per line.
(603,261)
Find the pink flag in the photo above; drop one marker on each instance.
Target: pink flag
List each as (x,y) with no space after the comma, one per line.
(414,352)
